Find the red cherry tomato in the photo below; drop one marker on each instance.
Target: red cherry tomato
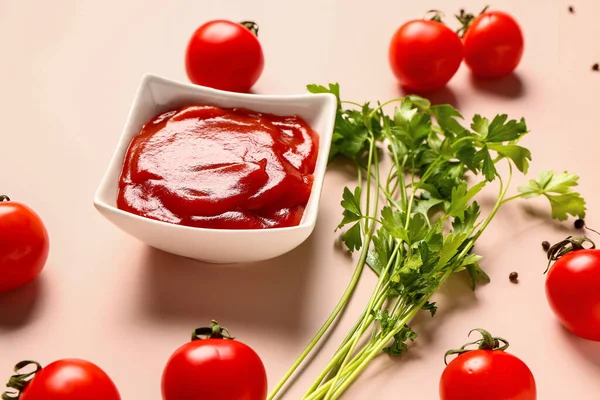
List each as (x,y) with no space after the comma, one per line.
(68,379)
(573,290)
(425,55)
(214,368)
(225,55)
(24,244)
(487,373)
(493,45)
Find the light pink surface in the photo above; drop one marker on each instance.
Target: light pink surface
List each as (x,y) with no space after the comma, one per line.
(67,77)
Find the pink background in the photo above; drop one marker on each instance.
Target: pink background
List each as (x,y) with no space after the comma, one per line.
(68,72)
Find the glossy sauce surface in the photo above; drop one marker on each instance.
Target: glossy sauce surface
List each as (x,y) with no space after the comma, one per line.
(209,167)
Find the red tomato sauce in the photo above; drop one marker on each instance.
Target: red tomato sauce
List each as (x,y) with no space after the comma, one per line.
(210,167)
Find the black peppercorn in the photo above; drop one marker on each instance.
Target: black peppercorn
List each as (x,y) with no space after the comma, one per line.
(572,9)
(546,245)
(596,67)
(514,277)
(579,224)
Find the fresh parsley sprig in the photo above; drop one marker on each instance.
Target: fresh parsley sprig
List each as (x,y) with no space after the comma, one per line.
(427,226)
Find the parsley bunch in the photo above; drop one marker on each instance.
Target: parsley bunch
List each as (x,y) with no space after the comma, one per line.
(416,223)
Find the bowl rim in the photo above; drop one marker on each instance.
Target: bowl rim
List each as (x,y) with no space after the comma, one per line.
(324,147)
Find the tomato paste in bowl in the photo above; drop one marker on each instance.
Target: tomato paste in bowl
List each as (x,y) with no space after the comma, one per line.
(222,168)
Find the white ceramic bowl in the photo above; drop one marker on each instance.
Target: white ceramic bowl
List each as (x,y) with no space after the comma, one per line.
(156,95)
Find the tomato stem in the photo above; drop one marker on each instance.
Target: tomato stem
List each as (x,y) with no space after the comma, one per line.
(571,243)
(465,20)
(19,381)
(4,197)
(487,342)
(437,15)
(214,331)
(252,26)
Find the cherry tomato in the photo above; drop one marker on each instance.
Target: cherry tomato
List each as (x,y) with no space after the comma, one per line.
(424,55)
(493,45)
(24,244)
(487,373)
(225,55)
(68,379)
(217,367)
(573,289)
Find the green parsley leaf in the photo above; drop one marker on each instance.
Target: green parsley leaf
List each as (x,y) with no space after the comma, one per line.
(501,131)
(394,222)
(405,113)
(488,168)
(446,116)
(414,262)
(350,138)
(424,206)
(518,154)
(480,125)
(417,229)
(410,126)
(384,319)
(435,238)
(353,238)
(399,345)
(477,275)
(351,205)
(558,189)
(431,307)
(461,197)
(429,249)
(466,224)
(334,88)
(350,133)
(468,260)
(565,204)
(379,255)
(466,154)
(451,244)
(418,101)
(549,182)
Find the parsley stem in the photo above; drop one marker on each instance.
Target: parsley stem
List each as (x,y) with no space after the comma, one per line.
(465,139)
(382,277)
(412,197)
(367,357)
(334,314)
(430,170)
(347,293)
(346,342)
(372,149)
(386,339)
(380,107)
(320,391)
(392,177)
(503,190)
(399,166)
(373,160)
(518,196)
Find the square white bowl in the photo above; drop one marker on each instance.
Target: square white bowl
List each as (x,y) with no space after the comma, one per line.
(156,95)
